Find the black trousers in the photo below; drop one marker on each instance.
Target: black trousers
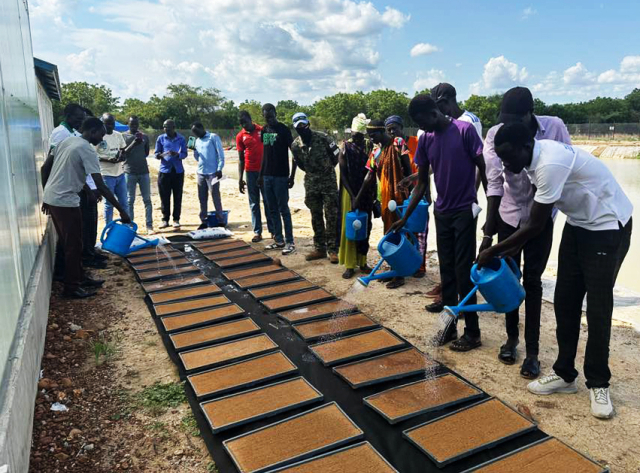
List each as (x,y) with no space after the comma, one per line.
(536,255)
(456,237)
(170,183)
(588,263)
(68,224)
(89,210)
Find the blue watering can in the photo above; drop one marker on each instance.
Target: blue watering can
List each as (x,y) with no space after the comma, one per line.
(417,221)
(499,284)
(117,238)
(400,250)
(356,223)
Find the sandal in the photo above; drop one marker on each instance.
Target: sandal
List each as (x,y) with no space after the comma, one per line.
(509,352)
(256,238)
(349,273)
(445,336)
(466,343)
(530,368)
(395,283)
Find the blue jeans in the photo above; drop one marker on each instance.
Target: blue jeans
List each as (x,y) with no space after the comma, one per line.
(144,182)
(118,187)
(276,193)
(253,191)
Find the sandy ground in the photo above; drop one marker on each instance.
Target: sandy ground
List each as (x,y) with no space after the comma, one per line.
(615,443)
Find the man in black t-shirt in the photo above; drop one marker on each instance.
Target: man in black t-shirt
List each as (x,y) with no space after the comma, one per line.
(275,178)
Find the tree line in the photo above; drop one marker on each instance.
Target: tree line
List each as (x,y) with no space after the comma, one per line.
(185,104)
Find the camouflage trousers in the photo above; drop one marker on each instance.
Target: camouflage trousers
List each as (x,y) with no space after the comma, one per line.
(322,199)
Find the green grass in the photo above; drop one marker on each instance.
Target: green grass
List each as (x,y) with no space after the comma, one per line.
(189,425)
(212,468)
(156,399)
(103,349)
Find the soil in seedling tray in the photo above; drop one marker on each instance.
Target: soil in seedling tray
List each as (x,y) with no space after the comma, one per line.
(314,431)
(209,243)
(222,248)
(248,406)
(201,317)
(397,365)
(174,283)
(214,333)
(279,289)
(413,399)
(196,291)
(355,346)
(334,326)
(358,458)
(242,260)
(169,263)
(160,256)
(238,274)
(468,430)
(266,279)
(231,254)
(162,273)
(242,374)
(317,311)
(549,455)
(226,352)
(295,300)
(152,251)
(194,304)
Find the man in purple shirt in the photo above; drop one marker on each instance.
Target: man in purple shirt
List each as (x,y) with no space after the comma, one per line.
(510,198)
(454,150)
(171,149)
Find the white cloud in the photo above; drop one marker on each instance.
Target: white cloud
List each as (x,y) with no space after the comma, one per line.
(578,75)
(423,49)
(428,79)
(630,64)
(499,75)
(528,12)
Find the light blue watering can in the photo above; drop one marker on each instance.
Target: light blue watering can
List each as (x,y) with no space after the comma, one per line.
(117,238)
(417,221)
(400,250)
(499,284)
(356,223)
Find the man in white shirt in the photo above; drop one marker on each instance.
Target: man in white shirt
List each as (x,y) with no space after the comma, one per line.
(594,244)
(111,154)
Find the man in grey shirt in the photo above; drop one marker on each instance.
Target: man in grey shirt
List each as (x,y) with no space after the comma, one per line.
(137,171)
(63,176)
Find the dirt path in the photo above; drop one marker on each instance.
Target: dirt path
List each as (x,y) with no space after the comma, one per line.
(136,424)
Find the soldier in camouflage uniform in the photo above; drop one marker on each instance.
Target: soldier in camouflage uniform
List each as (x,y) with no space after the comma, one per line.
(317,155)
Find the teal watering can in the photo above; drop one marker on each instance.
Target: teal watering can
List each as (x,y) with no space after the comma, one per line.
(499,284)
(356,223)
(117,238)
(417,221)
(400,250)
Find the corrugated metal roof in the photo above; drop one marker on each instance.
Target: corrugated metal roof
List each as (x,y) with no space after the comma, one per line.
(47,74)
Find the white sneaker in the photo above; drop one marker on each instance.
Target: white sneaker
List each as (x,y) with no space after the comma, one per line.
(164,224)
(552,384)
(151,231)
(176,224)
(601,406)
(289,249)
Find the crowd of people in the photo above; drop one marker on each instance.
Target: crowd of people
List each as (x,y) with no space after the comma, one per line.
(526,166)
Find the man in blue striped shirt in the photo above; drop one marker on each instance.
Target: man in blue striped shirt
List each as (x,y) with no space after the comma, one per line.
(171,149)
(209,153)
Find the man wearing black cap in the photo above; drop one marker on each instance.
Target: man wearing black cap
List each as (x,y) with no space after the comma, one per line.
(510,198)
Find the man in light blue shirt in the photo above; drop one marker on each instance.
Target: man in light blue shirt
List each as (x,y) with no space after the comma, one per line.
(209,153)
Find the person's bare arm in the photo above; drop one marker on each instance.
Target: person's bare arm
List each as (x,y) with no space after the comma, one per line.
(369,180)
(482,170)
(107,194)
(344,180)
(420,190)
(241,183)
(45,170)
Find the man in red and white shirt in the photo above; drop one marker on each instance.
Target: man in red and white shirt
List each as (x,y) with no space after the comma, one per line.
(250,149)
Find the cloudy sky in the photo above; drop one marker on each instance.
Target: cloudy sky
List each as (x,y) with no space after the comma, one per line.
(305,49)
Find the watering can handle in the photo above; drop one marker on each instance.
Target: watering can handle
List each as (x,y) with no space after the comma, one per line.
(514,267)
(109,226)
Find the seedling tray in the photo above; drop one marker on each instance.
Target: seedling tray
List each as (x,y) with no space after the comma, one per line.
(152,251)
(341,325)
(388,367)
(146,276)
(193,304)
(297,300)
(213,334)
(226,352)
(356,346)
(431,394)
(163,264)
(259,403)
(237,274)
(188,293)
(266,279)
(216,242)
(166,284)
(467,431)
(296,438)
(211,250)
(358,458)
(546,455)
(159,256)
(242,374)
(317,311)
(235,253)
(243,261)
(280,289)
(174,323)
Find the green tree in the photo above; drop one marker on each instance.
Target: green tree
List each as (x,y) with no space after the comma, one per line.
(255,110)
(486,108)
(337,111)
(97,98)
(384,103)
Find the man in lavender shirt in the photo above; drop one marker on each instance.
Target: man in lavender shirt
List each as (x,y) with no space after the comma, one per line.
(454,150)
(510,198)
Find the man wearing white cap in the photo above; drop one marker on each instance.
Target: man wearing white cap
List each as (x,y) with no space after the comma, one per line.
(317,155)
